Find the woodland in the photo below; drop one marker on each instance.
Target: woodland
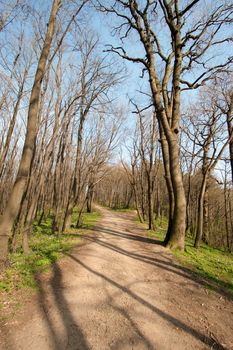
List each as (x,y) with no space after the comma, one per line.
(123,103)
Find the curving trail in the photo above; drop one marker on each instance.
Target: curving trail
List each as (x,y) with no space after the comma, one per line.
(120,290)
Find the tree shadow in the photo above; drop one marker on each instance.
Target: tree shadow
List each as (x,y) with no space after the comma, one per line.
(126,341)
(169,265)
(74,336)
(129,236)
(177,323)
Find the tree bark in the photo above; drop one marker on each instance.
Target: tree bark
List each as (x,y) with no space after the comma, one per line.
(200,214)
(230,133)
(17,192)
(206,232)
(11,127)
(175,240)
(90,196)
(166,164)
(178,225)
(151,225)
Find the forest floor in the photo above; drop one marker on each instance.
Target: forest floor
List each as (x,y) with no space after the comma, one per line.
(120,290)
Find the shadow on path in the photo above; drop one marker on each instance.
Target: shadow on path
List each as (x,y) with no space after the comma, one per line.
(74,335)
(168,265)
(177,323)
(128,236)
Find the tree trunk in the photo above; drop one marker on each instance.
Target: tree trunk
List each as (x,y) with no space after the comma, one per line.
(166,164)
(41,218)
(178,226)
(230,132)
(206,216)
(158,199)
(25,243)
(90,195)
(136,203)
(176,229)
(200,213)
(188,203)
(67,218)
(13,205)
(151,224)
(79,219)
(11,128)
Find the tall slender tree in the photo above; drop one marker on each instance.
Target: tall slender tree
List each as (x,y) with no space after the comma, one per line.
(13,205)
(187,48)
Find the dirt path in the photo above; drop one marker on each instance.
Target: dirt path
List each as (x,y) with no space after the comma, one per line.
(119,290)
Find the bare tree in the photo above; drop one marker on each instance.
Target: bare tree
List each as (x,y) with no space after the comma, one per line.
(10,11)
(208,133)
(189,49)
(96,80)
(224,99)
(13,205)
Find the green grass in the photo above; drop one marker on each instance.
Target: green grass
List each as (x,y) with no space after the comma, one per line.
(89,220)
(160,231)
(214,265)
(45,249)
(123,210)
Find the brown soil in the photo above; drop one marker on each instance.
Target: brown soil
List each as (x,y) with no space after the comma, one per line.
(120,290)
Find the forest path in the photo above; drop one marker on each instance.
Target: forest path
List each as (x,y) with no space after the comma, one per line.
(120,290)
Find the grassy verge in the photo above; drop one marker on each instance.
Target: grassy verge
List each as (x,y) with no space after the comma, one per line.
(123,210)
(46,248)
(214,265)
(89,220)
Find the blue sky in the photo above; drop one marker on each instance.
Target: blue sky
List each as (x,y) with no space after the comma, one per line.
(103,25)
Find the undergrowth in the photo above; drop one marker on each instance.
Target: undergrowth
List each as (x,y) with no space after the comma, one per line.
(210,263)
(90,219)
(122,210)
(45,249)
